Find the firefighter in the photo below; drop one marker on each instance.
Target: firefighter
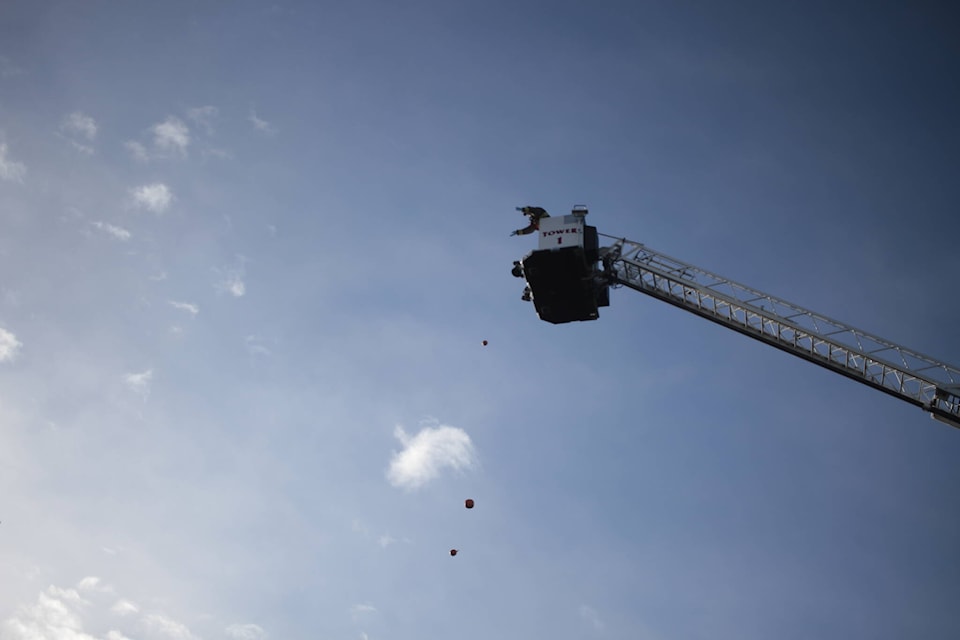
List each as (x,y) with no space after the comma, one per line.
(535,214)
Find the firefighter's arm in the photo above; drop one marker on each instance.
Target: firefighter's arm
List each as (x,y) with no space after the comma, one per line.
(525,230)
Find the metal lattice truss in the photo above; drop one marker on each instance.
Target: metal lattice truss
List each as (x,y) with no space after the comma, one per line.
(879,363)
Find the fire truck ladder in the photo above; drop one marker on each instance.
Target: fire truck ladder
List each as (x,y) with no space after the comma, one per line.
(881,364)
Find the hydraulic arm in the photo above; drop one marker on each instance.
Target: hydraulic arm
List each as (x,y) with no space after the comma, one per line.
(881,364)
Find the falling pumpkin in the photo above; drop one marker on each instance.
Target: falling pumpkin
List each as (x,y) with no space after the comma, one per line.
(469,503)
(453,552)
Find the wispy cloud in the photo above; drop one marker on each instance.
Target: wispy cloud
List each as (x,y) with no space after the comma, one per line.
(153,197)
(137,150)
(9,346)
(246,632)
(428,453)
(358,611)
(203,117)
(255,346)
(55,615)
(235,286)
(231,280)
(260,124)
(591,617)
(124,608)
(385,540)
(79,124)
(117,232)
(93,583)
(79,129)
(167,627)
(10,169)
(192,309)
(58,613)
(171,135)
(82,148)
(61,614)
(139,383)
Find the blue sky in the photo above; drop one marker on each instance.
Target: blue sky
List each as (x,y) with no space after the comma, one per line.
(249,251)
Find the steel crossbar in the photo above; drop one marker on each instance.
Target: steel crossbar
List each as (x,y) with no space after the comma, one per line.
(856,354)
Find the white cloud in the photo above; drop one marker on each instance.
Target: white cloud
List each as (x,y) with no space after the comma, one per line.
(384,540)
(167,627)
(139,383)
(153,197)
(55,616)
(68,595)
(61,614)
(171,135)
(9,346)
(82,148)
(232,281)
(255,347)
(9,169)
(192,309)
(137,150)
(117,232)
(246,632)
(93,583)
(359,610)
(124,608)
(428,453)
(236,287)
(79,124)
(260,124)
(591,617)
(203,116)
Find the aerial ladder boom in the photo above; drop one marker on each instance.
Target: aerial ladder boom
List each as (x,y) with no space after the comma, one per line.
(881,364)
